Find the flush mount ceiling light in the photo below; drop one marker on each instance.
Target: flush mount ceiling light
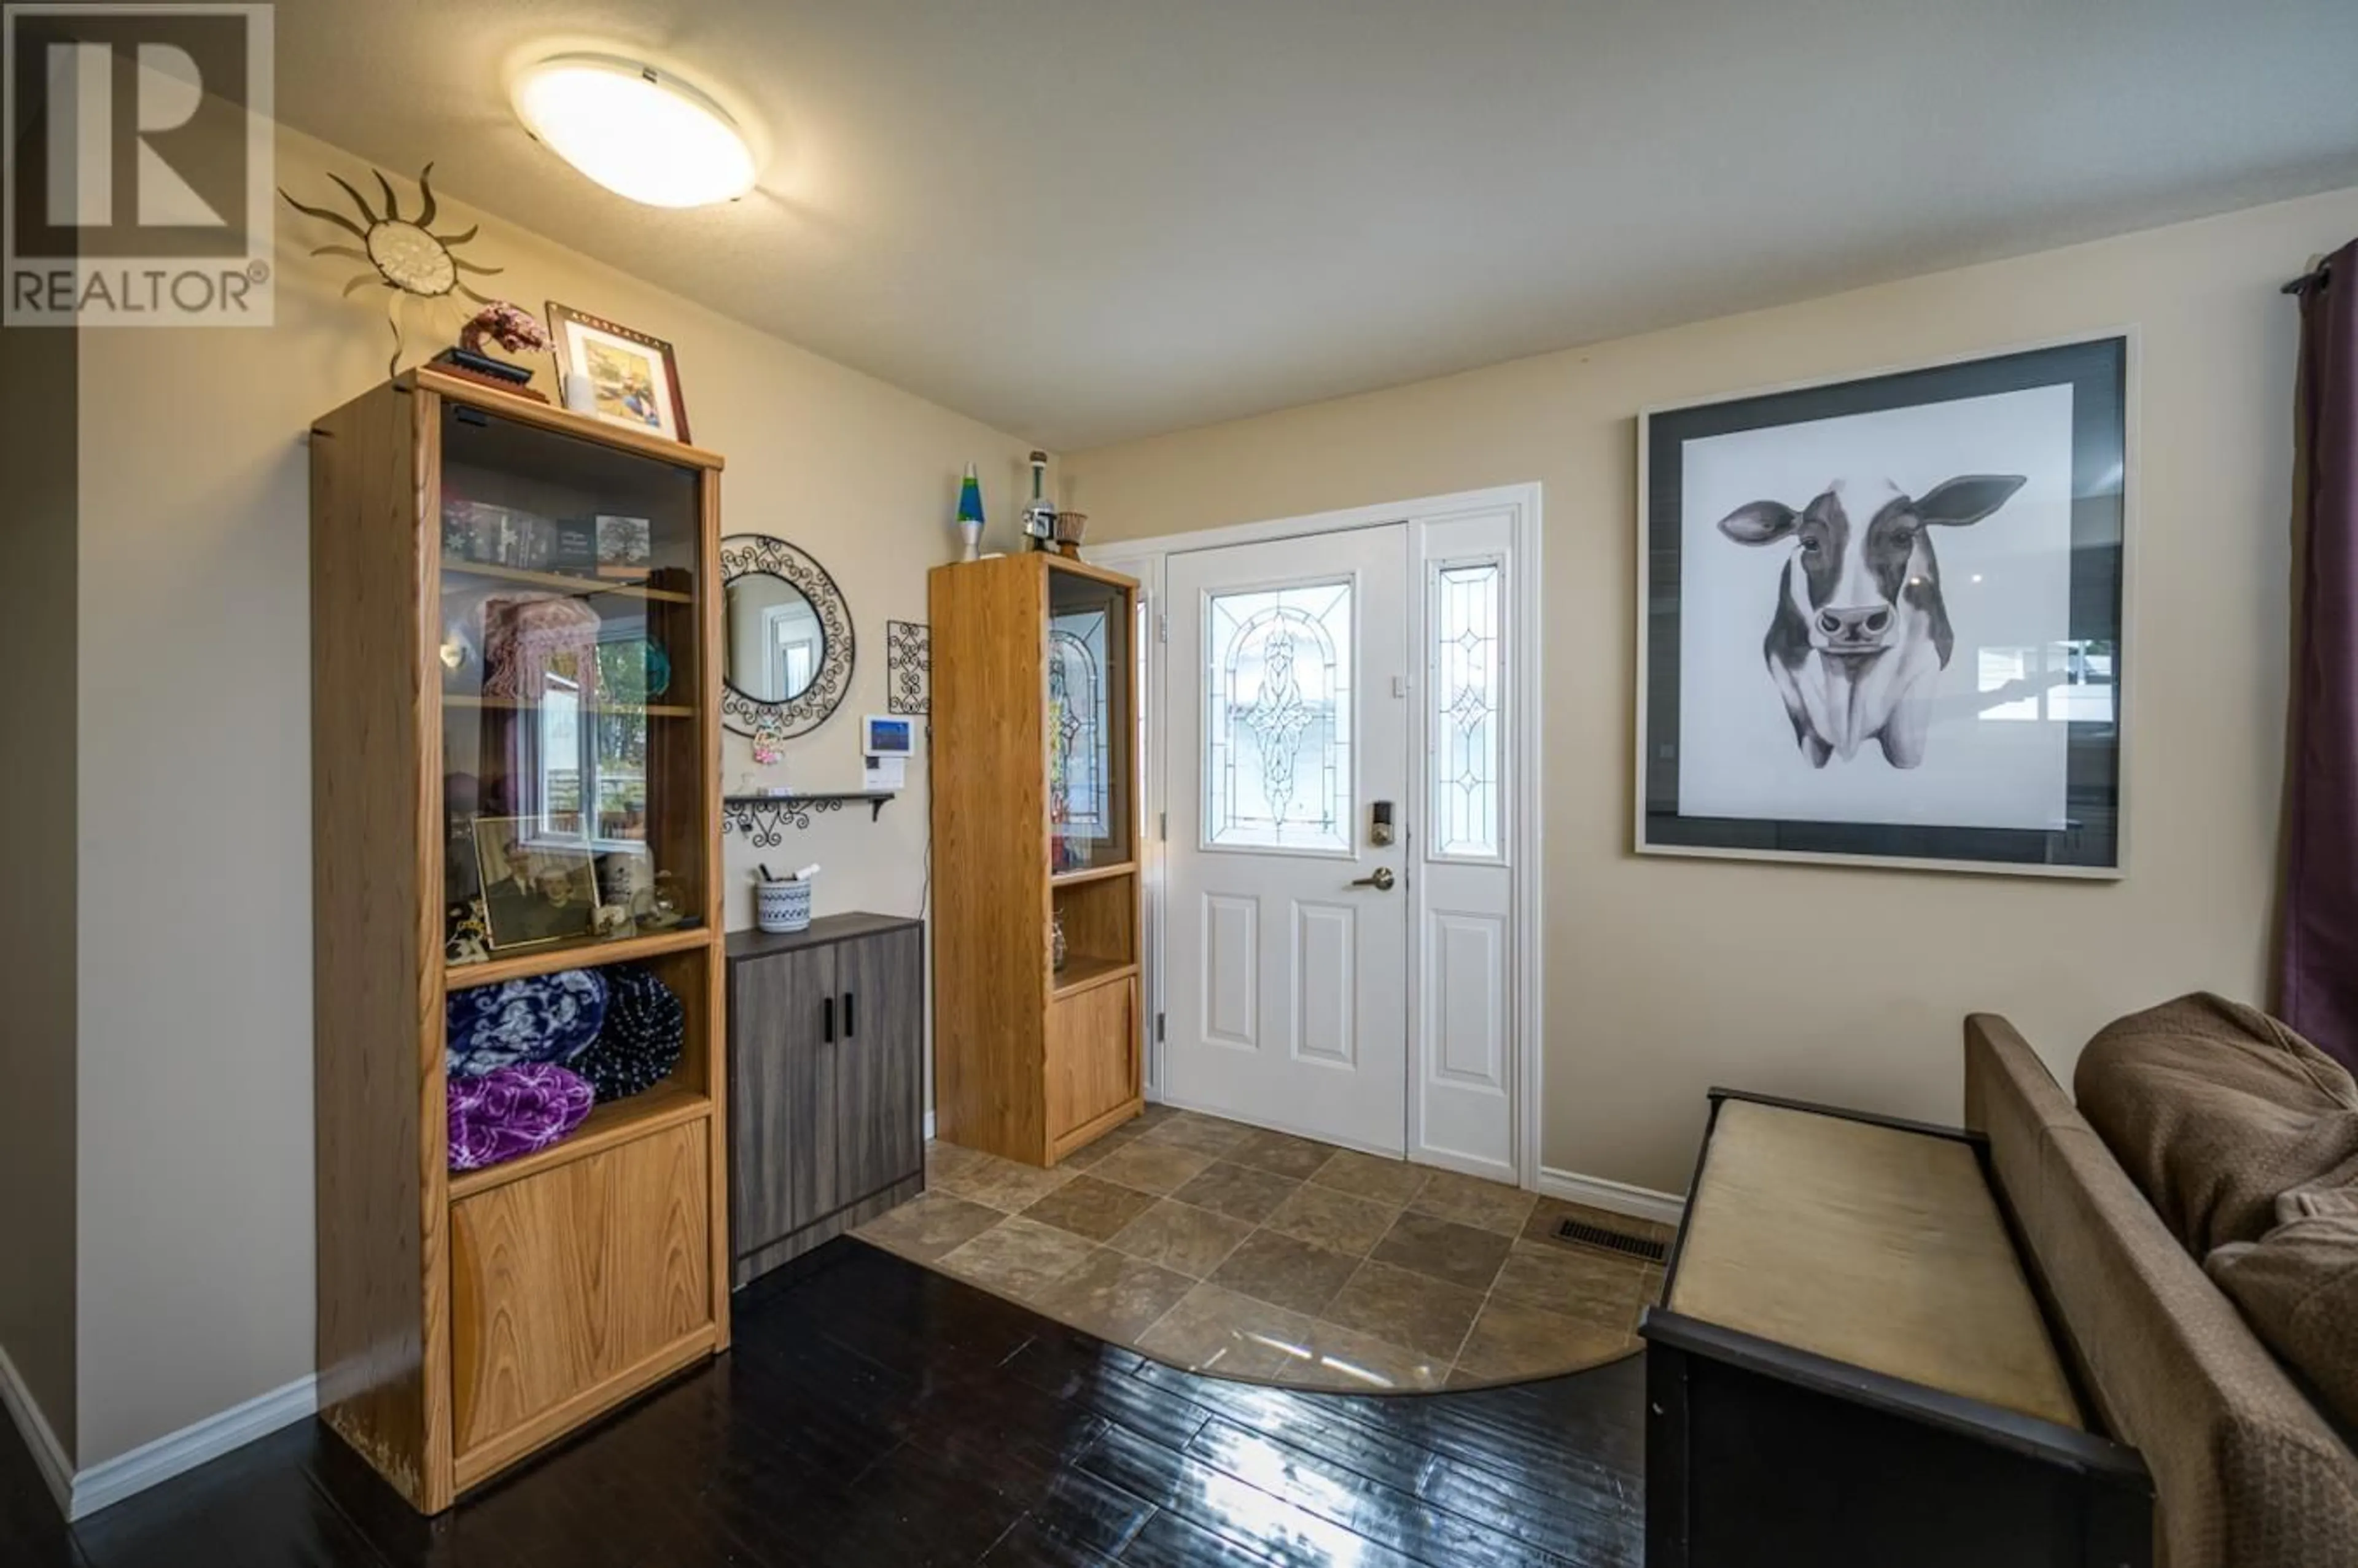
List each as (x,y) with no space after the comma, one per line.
(637,131)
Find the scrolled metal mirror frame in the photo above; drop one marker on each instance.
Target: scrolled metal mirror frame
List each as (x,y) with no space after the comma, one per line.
(743,554)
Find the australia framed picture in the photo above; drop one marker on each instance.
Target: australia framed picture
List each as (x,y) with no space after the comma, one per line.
(630,379)
(1882,620)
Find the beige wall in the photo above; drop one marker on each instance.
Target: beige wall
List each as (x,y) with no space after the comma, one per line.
(195,1081)
(36,892)
(1665,977)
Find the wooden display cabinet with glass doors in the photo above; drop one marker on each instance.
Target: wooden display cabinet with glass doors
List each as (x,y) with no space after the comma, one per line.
(516,750)
(1038,1037)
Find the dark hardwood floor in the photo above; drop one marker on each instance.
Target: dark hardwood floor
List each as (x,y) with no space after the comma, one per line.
(876,1413)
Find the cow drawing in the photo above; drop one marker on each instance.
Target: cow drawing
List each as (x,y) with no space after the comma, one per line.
(1861,634)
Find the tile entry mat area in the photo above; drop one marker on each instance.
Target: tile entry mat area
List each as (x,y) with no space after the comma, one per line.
(1226,1249)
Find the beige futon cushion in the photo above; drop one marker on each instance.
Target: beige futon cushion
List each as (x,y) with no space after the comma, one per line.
(2215,1110)
(2297,1285)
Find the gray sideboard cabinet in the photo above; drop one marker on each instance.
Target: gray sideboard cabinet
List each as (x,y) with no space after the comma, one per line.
(827,1030)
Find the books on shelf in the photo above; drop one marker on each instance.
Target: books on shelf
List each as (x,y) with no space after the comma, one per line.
(481,532)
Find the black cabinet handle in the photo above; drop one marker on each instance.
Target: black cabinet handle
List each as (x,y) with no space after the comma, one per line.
(847,1015)
(827,1035)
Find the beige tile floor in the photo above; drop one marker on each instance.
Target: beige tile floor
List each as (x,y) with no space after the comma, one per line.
(1225,1249)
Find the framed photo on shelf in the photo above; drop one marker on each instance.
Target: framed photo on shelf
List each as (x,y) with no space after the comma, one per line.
(1881,620)
(535,891)
(632,378)
(625,546)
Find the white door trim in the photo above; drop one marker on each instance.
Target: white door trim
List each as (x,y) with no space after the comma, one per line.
(1145,558)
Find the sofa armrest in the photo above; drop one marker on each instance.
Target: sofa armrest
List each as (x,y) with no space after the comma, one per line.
(2247,1473)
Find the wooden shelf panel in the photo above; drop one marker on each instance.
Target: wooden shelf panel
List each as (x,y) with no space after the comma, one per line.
(667,1104)
(1081,973)
(564,582)
(1093,874)
(578,955)
(526,705)
(1079,567)
(589,427)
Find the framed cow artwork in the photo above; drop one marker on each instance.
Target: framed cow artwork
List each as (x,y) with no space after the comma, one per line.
(1881,620)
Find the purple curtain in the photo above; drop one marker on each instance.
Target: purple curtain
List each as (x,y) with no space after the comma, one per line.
(2318,980)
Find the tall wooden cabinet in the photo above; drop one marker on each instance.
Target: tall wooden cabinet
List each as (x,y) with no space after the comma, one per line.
(1035,805)
(827,1063)
(460,535)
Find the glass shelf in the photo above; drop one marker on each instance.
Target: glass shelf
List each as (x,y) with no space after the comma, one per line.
(520,704)
(565,583)
(1092,874)
(570,606)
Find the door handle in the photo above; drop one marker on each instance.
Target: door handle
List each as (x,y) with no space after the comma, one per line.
(827,1032)
(847,1015)
(1382,880)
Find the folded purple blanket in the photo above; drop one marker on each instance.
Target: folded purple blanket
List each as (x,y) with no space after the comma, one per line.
(514,1111)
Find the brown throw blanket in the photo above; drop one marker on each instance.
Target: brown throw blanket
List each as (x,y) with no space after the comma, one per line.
(2215,1110)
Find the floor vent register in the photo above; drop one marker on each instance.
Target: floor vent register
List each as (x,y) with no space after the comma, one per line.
(1583,1232)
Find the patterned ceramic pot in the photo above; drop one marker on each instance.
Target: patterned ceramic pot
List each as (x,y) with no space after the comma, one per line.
(782,906)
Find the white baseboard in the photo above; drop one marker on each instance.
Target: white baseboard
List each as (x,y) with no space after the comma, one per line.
(1617,1197)
(152,1463)
(48,1453)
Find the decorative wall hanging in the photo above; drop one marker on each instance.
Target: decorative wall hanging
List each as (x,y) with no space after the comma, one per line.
(762,820)
(408,258)
(908,666)
(1882,619)
(633,380)
(788,656)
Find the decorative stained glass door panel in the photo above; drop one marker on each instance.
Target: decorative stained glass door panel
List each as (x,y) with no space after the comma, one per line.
(1277,719)
(1090,717)
(1288,934)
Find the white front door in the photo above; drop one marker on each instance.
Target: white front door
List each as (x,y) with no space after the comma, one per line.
(1288,963)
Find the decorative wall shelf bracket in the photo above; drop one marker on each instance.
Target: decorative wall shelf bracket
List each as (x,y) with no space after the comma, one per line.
(762,819)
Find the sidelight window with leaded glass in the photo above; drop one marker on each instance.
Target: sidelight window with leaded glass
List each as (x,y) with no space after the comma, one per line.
(1465,689)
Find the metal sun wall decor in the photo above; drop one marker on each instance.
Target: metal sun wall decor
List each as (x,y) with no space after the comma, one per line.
(810,708)
(408,258)
(908,666)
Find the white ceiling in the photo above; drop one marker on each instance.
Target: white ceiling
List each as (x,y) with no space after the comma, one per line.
(1083,221)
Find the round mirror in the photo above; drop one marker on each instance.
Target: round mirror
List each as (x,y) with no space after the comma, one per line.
(786,643)
(776,646)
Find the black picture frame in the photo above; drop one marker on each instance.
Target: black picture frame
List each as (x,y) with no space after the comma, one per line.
(2099,370)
